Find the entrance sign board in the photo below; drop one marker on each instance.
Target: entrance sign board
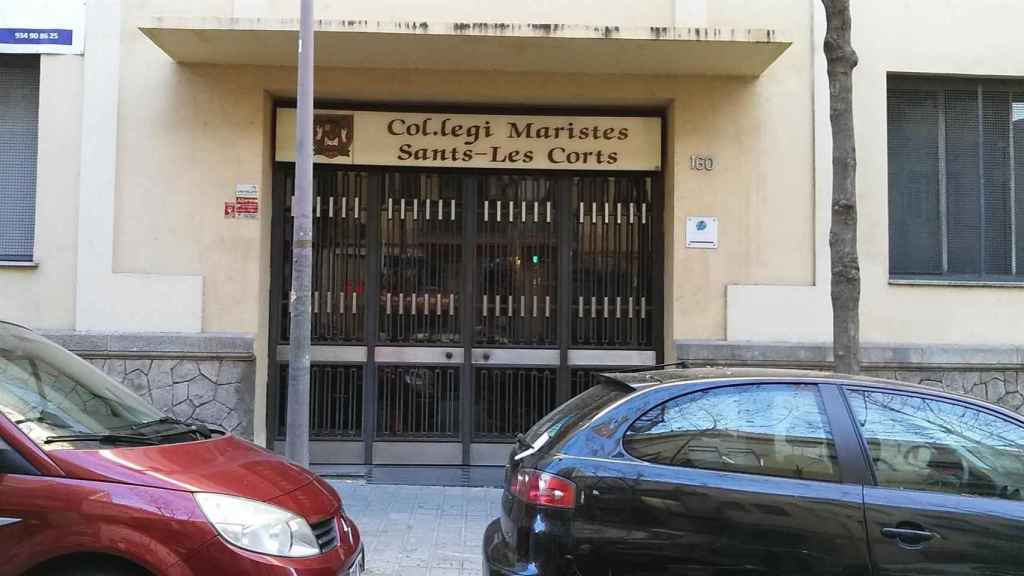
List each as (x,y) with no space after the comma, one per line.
(429,139)
(42,26)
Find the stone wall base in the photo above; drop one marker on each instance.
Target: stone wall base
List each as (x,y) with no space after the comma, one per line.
(993,373)
(203,378)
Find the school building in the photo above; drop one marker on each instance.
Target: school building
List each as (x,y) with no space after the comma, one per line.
(509,198)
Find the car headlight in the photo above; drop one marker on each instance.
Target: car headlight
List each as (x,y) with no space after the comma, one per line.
(259,527)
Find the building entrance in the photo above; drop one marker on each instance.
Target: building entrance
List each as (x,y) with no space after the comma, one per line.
(452,309)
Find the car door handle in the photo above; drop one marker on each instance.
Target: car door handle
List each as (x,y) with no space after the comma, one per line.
(908,535)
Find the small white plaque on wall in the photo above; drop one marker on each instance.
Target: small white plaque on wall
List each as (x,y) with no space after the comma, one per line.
(702,232)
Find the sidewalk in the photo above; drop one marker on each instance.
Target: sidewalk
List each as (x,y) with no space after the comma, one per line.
(420,530)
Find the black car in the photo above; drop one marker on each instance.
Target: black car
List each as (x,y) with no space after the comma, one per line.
(714,472)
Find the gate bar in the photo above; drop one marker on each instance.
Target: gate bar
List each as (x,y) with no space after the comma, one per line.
(372,300)
(470,188)
(566,232)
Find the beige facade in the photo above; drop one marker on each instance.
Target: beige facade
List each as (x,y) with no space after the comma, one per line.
(138,151)
(892,38)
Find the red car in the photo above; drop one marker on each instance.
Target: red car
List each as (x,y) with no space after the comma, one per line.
(95,481)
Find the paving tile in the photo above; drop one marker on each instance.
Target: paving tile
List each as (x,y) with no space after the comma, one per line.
(420,530)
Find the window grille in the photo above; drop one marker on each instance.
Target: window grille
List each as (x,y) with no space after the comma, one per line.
(956,179)
(19,128)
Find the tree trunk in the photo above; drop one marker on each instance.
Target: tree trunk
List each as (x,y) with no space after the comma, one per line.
(842,59)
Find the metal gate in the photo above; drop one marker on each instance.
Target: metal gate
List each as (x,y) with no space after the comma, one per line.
(452,310)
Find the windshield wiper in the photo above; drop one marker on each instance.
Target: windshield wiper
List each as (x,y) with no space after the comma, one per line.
(187,428)
(200,429)
(148,423)
(112,438)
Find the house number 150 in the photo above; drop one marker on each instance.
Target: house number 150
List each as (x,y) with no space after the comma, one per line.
(702,163)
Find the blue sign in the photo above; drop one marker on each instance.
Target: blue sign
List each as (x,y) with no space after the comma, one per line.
(57,36)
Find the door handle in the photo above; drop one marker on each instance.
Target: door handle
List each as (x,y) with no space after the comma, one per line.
(909,536)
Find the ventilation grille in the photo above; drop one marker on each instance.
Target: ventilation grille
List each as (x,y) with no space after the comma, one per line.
(326,533)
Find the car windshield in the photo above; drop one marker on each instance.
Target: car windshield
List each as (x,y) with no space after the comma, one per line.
(50,393)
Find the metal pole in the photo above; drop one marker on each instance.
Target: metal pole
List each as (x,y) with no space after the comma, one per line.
(297,443)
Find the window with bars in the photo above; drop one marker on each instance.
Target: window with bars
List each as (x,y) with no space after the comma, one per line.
(956,179)
(19,129)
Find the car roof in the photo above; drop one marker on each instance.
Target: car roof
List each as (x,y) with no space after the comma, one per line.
(646,379)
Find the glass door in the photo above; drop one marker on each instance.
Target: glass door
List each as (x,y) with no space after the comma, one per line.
(516,353)
(453,310)
(420,343)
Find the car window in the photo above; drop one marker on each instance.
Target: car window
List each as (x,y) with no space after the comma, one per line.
(559,422)
(776,429)
(11,462)
(919,443)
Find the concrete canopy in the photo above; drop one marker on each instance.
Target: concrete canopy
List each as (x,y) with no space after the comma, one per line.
(553,48)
